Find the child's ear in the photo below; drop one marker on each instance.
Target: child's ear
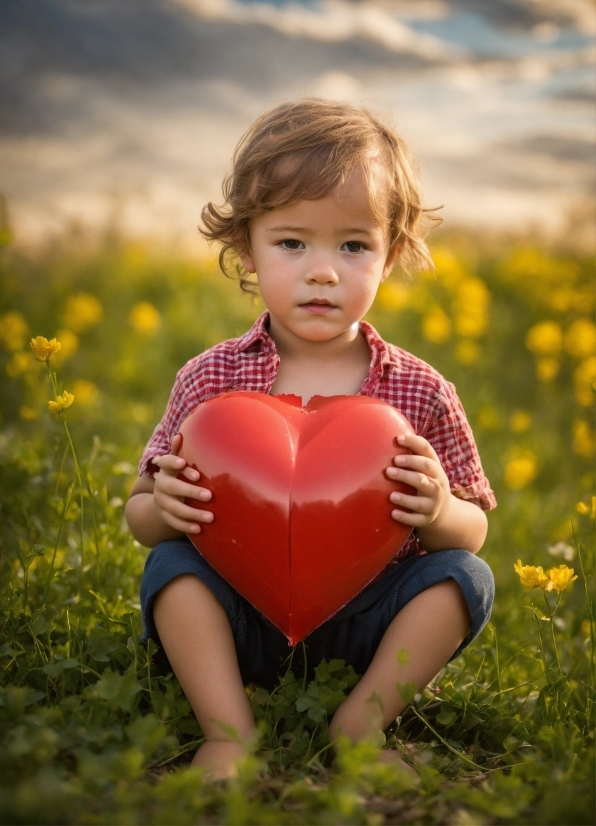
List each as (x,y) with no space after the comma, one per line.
(391,259)
(246,260)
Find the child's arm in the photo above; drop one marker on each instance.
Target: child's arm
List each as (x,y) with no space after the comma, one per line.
(156,511)
(441,519)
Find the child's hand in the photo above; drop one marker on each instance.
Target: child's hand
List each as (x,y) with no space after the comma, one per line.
(170,492)
(422,470)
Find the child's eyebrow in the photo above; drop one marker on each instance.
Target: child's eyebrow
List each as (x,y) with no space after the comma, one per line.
(342,230)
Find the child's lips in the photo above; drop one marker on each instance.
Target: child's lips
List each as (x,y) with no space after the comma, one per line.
(318,307)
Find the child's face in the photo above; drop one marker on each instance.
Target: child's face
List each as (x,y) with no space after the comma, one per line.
(319,263)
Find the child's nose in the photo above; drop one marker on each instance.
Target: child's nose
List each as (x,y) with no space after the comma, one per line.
(321,271)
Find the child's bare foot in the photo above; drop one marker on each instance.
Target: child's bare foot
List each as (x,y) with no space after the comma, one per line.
(219,758)
(393,756)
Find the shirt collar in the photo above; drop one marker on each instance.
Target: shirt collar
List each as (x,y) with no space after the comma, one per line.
(382,356)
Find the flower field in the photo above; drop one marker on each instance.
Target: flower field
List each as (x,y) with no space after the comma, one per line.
(91,732)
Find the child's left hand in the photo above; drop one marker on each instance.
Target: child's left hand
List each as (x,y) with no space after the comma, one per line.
(422,470)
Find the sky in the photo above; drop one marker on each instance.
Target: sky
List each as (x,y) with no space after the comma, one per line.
(126,112)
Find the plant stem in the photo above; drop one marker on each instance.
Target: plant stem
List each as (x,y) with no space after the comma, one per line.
(497,658)
(551,614)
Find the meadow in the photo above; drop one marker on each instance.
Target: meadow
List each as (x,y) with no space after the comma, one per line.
(92,732)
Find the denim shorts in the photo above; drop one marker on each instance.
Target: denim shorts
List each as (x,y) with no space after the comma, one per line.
(353,634)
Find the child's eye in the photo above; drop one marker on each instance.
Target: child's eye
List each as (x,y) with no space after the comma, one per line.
(291,244)
(354,246)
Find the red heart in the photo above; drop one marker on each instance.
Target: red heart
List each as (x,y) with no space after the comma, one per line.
(302,519)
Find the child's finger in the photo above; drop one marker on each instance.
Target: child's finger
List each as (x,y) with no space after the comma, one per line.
(423,505)
(418,445)
(170,463)
(415,520)
(411,462)
(180,510)
(176,444)
(422,482)
(173,486)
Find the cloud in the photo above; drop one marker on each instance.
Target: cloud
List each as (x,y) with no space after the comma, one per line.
(331,21)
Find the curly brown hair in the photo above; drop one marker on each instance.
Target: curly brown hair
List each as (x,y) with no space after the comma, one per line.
(304,149)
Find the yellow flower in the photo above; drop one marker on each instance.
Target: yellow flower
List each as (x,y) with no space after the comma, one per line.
(561,577)
(69,342)
(19,363)
(488,418)
(584,509)
(27,413)
(470,308)
(86,392)
(145,318)
(533,577)
(450,270)
(393,296)
(520,421)
(545,338)
(82,311)
(467,352)
(547,369)
(43,349)
(580,338)
(61,403)
(436,326)
(583,377)
(520,471)
(584,439)
(13,330)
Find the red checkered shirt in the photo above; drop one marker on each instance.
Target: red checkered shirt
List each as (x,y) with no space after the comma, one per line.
(413,387)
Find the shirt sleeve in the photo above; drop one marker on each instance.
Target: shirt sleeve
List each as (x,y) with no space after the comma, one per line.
(451,436)
(181,403)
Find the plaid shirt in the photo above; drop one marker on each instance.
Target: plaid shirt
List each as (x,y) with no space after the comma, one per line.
(419,392)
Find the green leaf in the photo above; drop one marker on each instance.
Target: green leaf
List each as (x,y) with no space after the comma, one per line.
(304,702)
(117,690)
(98,646)
(446,717)
(58,667)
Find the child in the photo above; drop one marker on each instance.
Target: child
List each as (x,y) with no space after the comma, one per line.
(321,203)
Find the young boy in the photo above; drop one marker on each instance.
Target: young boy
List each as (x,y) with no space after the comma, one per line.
(321,202)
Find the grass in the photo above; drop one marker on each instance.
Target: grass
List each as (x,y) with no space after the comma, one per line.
(93,733)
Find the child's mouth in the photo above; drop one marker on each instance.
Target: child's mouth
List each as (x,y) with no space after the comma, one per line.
(318,307)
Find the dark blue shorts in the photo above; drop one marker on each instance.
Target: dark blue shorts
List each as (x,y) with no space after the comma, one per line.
(353,634)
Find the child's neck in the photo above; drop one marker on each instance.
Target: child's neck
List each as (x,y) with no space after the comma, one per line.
(321,368)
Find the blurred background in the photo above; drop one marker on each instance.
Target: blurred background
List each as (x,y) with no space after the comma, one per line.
(122,112)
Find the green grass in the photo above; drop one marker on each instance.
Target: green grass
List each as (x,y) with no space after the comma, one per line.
(91,732)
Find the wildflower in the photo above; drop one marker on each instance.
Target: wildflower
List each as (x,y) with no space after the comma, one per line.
(562,549)
(43,349)
(86,392)
(69,342)
(61,403)
(520,421)
(547,369)
(470,308)
(467,352)
(488,418)
(584,439)
(584,509)
(583,377)
(27,413)
(82,311)
(145,318)
(393,296)
(19,363)
(533,577)
(580,338)
(436,326)
(561,577)
(13,330)
(545,338)
(449,268)
(520,471)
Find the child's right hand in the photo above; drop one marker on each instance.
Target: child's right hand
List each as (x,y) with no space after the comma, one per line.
(170,492)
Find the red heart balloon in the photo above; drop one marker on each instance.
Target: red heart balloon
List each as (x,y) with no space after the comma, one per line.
(302,518)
